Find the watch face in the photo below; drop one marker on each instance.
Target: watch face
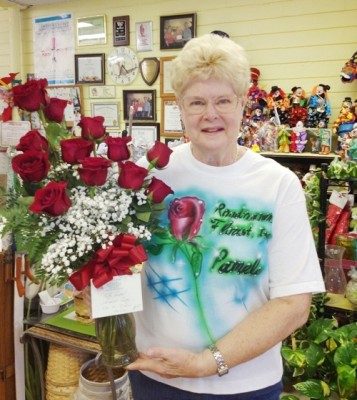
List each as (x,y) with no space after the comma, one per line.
(123,65)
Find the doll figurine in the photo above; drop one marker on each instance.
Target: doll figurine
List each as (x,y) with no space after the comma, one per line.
(349,71)
(301,135)
(256,97)
(324,138)
(319,108)
(293,141)
(278,104)
(298,103)
(283,140)
(345,119)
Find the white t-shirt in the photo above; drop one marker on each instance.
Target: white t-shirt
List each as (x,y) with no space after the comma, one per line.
(234,237)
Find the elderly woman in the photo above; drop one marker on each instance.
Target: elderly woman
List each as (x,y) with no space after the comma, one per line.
(232,273)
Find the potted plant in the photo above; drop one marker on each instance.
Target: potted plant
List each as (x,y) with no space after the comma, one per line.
(320,358)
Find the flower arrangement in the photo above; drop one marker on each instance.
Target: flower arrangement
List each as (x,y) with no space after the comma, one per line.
(79,207)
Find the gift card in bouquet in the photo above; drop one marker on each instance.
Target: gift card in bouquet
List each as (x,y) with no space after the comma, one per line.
(121,295)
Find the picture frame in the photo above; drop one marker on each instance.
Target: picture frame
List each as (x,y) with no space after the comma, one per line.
(110,112)
(176,30)
(165,76)
(171,124)
(73,95)
(102,92)
(144,133)
(143,103)
(91,30)
(89,68)
(173,141)
(143,36)
(121,31)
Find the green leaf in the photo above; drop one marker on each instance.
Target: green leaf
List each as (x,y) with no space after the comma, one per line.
(143,216)
(295,358)
(346,354)
(288,397)
(320,329)
(314,355)
(313,388)
(346,380)
(154,249)
(54,133)
(196,261)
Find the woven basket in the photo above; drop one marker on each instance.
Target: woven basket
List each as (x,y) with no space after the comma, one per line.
(63,366)
(54,392)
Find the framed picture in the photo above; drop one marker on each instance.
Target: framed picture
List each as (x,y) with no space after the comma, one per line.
(144,133)
(91,30)
(89,68)
(102,92)
(110,112)
(141,102)
(165,76)
(72,94)
(176,30)
(170,118)
(121,31)
(173,141)
(143,36)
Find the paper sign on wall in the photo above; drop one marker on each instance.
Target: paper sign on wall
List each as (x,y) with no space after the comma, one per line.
(121,295)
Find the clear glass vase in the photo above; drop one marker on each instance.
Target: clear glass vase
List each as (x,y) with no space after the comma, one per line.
(116,336)
(335,279)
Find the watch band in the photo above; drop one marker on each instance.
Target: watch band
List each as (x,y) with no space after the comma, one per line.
(222,367)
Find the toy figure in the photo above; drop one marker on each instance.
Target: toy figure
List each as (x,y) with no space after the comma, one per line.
(298,103)
(255,143)
(324,138)
(349,70)
(278,104)
(344,123)
(256,97)
(319,108)
(349,144)
(283,139)
(293,141)
(267,134)
(301,134)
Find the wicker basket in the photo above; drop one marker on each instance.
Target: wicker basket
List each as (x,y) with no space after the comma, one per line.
(63,372)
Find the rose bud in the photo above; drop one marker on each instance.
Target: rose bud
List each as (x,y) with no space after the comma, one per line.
(158,190)
(159,155)
(92,127)
(33,140)
(54,110)
(52,199)
(94,171)
(185,215)
(118,148)
(131,176)
(32,166)
(31,95)
(6,114)
(75,150)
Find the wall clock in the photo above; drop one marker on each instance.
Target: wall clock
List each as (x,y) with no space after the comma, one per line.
(123,65)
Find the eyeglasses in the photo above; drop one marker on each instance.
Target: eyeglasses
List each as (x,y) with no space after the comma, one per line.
(198,105)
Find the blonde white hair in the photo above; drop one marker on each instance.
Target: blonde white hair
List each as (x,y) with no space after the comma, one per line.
(211,56)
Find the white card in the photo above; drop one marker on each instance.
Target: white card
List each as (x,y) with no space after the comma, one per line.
(121,295)
(12,131)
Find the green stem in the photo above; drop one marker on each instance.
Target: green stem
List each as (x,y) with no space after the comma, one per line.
(201,313)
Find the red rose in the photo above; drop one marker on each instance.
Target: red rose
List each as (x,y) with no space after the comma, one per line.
(185,216)
(54,110)
(30,95)
(118,148)
(94,171)
(75,150)
(6,114)
(131,176)
(158,190)
(92,127)
(33,140)
(32,166)
(159,155)
(52,199)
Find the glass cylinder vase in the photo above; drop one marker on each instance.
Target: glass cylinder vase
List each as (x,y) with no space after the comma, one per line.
(116,336)
(335,279)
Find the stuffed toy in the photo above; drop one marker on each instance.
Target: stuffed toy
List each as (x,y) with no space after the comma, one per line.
(319,108)
(278,104)
(346,118)
(283,139)
(324,138)
(257,97)
(301,135)
(349,71)
(298,103)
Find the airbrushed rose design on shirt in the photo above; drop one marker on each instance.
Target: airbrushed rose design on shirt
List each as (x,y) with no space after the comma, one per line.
(185,215)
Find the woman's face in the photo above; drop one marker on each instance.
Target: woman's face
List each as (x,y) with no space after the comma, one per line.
(211,131)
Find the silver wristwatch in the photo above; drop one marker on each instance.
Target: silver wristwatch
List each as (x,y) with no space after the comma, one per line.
(222,367)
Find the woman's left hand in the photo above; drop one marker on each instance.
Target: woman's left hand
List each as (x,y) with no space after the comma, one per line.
(172,363)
